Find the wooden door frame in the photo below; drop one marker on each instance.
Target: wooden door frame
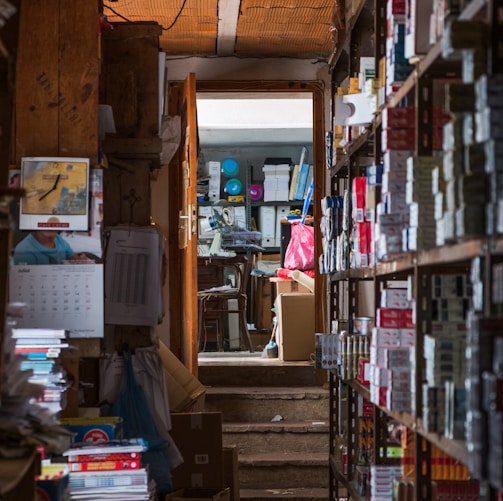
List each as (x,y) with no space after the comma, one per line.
(316,90)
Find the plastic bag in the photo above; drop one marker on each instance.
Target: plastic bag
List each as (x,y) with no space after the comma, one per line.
(299,254)
(132,406)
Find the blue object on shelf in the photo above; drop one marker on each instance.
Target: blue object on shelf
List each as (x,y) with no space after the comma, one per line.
(230,167)
(233,186)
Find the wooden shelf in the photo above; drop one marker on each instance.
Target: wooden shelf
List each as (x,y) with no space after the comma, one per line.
(455,448)
(352,149)
(451,254)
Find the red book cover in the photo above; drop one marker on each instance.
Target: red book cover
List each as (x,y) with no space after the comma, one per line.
(126,464)
(104,457)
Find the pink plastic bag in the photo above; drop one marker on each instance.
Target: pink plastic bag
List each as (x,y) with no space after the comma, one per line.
(299,254)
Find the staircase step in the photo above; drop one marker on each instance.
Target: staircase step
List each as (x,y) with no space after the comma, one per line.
(284,436)
(283,470)
(264,372)
(298,494)
(253,404)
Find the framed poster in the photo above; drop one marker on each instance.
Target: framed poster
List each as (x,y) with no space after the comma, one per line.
(56,193)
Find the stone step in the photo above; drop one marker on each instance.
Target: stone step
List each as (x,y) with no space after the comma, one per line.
(259,404)
(282,436)
(276,470)
(298,494)
(264,372)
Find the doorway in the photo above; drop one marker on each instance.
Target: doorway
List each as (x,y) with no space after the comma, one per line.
(244,125)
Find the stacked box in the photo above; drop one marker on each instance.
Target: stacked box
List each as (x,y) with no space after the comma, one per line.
(392,353)
(381,481)
(398,67)
(421,232)
(489,133)
(363,208)
(331,226)
(391,211)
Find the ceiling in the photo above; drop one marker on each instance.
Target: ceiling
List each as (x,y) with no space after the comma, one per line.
(242,28)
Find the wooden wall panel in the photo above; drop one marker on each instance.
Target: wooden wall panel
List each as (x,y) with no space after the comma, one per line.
(130,83)
(79,79)
(57,80)
(37,82)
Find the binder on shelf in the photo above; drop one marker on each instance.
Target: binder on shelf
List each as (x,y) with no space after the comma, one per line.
(301,182)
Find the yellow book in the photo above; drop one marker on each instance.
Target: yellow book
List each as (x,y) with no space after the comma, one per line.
(293,182)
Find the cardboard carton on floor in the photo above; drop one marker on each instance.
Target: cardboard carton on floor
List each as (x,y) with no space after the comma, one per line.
(198,495)
(295,333)
(185,392)
(198,436)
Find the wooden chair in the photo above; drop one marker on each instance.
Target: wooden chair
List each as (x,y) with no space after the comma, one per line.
(217,305)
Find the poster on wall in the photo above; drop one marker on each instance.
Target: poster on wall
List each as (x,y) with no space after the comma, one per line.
(57,273)
(56,193)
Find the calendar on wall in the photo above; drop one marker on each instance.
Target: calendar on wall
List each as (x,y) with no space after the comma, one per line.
(64,296)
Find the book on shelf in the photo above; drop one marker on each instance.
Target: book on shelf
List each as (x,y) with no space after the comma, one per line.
(293,181)
(114,450)
(105,479)
(301,182)
(125,464)
(20,333)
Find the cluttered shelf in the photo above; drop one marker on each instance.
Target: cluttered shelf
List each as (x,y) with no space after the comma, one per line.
(436,256)
(342,478)
(358,144)
(434,55)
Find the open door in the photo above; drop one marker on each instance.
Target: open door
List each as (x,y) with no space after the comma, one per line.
(184,194)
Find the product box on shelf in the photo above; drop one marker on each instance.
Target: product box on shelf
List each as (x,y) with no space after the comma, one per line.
(95,429)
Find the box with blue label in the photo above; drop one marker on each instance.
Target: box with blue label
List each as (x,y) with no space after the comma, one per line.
(94,430)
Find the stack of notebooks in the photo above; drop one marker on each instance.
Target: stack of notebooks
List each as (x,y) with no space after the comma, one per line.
(109,470)
(41,349)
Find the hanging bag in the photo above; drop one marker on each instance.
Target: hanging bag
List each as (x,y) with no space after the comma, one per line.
(299,254)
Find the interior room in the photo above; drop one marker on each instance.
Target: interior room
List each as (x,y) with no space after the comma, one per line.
(251,250)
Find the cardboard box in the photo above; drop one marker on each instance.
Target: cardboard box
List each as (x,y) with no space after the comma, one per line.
(94,429)
(231,471)
(198,436)
(295,334)
(284,285)
(184,390)
(199,495)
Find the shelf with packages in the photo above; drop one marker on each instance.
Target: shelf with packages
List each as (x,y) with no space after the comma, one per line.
(452,279)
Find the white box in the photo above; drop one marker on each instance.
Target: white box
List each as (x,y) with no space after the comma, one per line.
(213,171)
(267,225)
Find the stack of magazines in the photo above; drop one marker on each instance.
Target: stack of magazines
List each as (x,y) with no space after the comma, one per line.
(109,470)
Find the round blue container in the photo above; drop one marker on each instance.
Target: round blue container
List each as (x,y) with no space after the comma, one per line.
(230,167)
(233,186)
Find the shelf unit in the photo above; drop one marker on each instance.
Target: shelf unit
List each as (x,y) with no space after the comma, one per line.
(366,26)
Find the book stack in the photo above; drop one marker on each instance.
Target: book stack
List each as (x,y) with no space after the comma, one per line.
(40,349)
(276,179)
(109,470)
(301,179)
